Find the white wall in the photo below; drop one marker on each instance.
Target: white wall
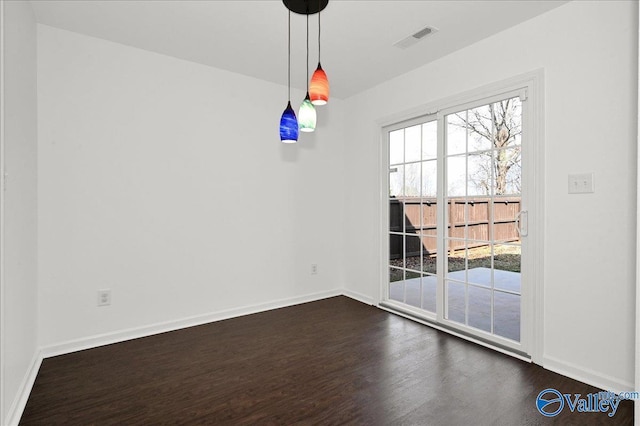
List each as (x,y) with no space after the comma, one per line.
(589,54)
(165,181)
(19,336)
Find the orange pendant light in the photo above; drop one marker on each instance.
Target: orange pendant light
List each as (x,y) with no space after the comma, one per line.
(319,87)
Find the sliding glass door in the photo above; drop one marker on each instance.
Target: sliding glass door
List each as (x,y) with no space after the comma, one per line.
(456,222)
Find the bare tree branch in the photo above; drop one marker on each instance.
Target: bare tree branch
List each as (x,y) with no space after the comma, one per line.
(506,124)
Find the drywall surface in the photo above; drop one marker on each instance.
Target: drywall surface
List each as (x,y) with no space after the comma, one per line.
(165,181)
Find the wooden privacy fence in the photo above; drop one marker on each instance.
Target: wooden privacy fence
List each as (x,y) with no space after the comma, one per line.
(481,212)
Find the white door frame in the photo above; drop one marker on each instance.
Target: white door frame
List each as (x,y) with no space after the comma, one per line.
(637,346)
(2,203)
(533,177)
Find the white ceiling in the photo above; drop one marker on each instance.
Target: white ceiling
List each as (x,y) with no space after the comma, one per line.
(250,37)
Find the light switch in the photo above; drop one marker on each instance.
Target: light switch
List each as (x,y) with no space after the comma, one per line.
(581,183)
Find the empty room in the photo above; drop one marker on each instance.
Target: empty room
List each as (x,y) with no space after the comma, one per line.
(319,212)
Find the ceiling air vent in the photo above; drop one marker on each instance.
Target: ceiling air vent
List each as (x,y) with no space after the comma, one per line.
(415,37)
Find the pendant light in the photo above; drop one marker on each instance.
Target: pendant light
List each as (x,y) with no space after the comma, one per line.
(307,112)
(319,83)
(288,121)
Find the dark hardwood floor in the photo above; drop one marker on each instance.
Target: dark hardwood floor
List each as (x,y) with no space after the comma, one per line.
(334,361)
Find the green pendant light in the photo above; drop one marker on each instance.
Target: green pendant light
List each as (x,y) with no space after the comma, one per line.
(307,113)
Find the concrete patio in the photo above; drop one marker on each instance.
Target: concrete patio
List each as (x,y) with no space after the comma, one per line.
(506,306)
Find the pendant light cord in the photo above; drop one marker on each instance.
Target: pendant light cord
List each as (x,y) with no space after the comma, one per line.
(289,59)
(319,31)
(307,77)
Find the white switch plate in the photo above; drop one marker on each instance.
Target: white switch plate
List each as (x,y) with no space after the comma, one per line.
(581,183)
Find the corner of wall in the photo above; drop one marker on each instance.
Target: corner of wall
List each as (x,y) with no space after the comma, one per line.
(19,356)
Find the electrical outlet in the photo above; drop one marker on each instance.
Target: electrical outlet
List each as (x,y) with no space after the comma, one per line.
(314,269)
(104,297)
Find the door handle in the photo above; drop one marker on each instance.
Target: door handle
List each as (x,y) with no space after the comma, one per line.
(522,223)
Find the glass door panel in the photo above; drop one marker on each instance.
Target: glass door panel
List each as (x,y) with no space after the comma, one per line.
(483,194)
(413,185)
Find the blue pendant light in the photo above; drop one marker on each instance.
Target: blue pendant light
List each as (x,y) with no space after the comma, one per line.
(288,121)
(288,125)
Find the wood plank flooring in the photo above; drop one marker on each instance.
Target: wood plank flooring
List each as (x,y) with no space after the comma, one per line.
(330,362)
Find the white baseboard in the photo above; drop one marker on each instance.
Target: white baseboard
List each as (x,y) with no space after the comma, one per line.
(585,375)
(163,327)
(359,297)
(20,402)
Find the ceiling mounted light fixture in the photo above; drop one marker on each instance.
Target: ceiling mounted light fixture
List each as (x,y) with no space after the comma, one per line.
(288,121)
(317,89)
